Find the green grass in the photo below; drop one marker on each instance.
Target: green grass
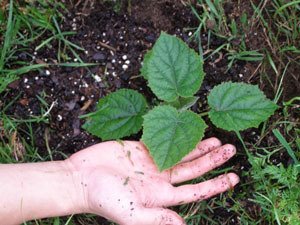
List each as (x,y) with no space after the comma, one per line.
(21,26)
(214,21)
(273,188)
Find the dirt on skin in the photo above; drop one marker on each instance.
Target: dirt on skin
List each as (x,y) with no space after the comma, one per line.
(117,41)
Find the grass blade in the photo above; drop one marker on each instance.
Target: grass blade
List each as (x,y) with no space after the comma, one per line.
(285,144)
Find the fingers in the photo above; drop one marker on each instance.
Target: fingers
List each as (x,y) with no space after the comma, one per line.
(197,192)
(202,148)
(190,170)
(157,216)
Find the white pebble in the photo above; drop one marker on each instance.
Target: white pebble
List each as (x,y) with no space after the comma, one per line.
(127,62)
(25,80)
(82,98)
(47,72)
(86,52)
(36,78)
(190,33)
(124,57)
(73,92)
(98,47)
(97,78)
(241,75)
(59,117)
(113,61)
(125,67)
(27,86)
(114,74)
(75,60)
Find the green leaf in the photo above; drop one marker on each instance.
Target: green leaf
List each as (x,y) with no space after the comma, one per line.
(173,69)
(118,115)
(170,135)
(144,69)
(184,103)
(238,106)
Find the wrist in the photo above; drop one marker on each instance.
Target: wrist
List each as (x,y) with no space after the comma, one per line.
(78,187)
(38,190)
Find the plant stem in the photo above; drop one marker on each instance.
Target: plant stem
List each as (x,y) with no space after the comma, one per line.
(203,114)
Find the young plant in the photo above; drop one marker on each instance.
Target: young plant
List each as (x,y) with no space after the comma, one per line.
(170,130)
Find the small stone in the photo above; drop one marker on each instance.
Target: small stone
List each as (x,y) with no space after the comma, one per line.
(190,33)
(73,92)
(25,80)
(210,24)
(124,57)
(97,78)
(82,98)
(75,60)
(125,67)
(36,78)
(47,72)
(99,56)
(59,118)
(241,75)
(127,62)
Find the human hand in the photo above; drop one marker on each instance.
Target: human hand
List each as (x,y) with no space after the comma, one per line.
(120,181)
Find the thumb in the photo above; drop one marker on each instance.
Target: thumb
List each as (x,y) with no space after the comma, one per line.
(157,216)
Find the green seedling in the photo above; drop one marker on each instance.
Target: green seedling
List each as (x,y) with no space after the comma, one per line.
(170,130)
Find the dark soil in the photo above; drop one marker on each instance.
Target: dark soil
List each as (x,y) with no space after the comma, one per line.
(118,42)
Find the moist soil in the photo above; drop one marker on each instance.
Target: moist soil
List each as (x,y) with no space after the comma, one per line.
(117,42)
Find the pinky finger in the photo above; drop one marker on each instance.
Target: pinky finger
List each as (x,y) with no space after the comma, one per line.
(197,192)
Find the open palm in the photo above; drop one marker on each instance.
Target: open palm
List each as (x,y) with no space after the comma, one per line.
(121,182)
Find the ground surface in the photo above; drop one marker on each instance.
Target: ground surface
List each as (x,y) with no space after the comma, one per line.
(118,42)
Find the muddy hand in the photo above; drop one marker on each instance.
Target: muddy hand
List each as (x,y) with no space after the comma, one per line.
(120,181)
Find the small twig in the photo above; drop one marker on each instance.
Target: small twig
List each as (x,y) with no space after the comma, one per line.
(107,46)
(255,71)
(49,110)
